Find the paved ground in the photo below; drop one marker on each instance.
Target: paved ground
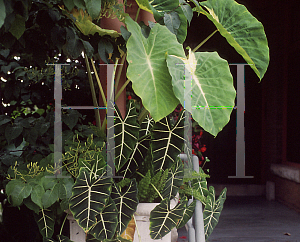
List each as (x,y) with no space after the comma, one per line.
(248,219)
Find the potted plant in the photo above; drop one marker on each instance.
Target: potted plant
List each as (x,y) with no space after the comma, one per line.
(146,143)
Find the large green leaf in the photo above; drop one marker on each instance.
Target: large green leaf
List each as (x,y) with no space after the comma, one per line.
(163,219)
(167,142)
(188,213)
(89,197)
(242,31)
(126,203)
(107,221)
(45,222)
(212,210)
(212,93)
(174,180)
(17,190)
(126,134)
(148,70)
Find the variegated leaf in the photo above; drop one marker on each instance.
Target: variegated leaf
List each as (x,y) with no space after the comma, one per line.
(126,203)
(174,180)
(89,197)
(167,142)
(45,222)
(107,221)
(163,219)
(126,134)
(212,210)
(188,213)
(136,158)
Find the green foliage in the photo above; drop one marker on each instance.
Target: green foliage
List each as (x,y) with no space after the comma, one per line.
(83,154)
(143,187)
(34,33)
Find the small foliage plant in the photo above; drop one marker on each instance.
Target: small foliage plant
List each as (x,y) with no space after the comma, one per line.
(136,159)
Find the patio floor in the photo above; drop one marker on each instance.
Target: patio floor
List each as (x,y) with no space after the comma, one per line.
(254,219)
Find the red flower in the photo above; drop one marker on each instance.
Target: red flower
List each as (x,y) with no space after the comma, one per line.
(129,97)
(203,149)
(193,152)
(94,122)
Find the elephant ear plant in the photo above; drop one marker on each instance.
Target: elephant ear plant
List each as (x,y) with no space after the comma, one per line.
(103,197)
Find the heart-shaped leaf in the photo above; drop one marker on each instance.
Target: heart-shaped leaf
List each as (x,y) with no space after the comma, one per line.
(50,196)
(211,91)
(241,30)
(148,69)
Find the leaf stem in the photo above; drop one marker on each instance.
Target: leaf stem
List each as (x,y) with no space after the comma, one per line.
(121,90)
(137,14)
(204,41)
(99,83)
(120,71)
(94,97)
